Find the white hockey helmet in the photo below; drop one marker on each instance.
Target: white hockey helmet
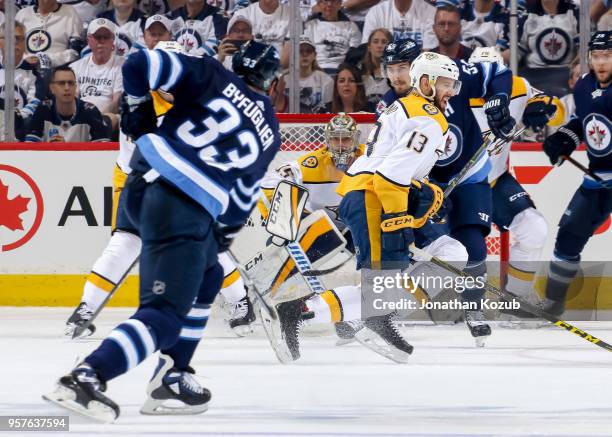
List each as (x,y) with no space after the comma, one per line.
(486,54)
(433,65)
(170,46)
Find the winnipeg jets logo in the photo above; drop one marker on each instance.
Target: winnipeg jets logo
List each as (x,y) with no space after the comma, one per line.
(553,45)
(453,146)
(190,39)
(598,134)
(38,40)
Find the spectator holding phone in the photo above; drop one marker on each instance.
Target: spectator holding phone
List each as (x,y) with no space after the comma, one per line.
(239,32)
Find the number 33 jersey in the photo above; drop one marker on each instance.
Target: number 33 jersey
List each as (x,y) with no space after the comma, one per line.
(404,144)
(216,142)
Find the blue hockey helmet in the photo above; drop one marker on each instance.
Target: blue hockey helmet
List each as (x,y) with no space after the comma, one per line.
(257,64)
(401,50)
(601,40)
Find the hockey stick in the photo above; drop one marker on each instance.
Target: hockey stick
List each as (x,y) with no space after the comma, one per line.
(78,330)
(582,167)
(536,311)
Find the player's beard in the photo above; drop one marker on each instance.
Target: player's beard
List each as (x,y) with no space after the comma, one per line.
(607,78)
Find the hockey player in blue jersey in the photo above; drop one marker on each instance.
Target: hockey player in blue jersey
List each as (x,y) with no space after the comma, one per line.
(195,180)
(592,202)
(470,216)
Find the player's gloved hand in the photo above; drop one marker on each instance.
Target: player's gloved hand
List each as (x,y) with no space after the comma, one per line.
(499,119)
(538,112)
(137,116)
(561,143)
(225,235)
(442,215)
(425,199)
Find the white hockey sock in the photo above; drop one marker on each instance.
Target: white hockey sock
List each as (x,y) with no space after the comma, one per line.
(336,305)
(232,288)
(118,256)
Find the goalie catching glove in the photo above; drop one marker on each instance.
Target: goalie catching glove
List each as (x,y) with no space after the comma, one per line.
(539,110)
(424,200)
(499,119)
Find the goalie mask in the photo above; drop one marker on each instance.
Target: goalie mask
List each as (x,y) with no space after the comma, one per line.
(342,140)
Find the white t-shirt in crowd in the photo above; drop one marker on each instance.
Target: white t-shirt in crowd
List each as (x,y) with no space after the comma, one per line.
(417,23)
(481,33)
(549,41)
(99,83)
(316,91)
(272,29)
(332,40)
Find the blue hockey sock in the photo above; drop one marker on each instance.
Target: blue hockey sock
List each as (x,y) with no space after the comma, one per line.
(191,333)
(561,272)
(134,340)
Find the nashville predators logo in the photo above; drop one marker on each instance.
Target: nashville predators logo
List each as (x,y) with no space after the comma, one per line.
(430,109)
(310,162)
(38,40)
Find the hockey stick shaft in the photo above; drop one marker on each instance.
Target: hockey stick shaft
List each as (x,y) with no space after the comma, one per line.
(536,311)
(78,330)
(583,168)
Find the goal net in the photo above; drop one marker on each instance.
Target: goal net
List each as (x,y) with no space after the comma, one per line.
(302,133)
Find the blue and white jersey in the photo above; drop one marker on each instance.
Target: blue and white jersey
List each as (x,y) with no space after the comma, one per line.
(465,137)
(594,110)
(216,142)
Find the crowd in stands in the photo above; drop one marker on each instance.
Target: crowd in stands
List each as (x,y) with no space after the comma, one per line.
(69,53)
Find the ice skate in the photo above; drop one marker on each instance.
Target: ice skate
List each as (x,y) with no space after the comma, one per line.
(81,392)
(79,317)
(479,329)
(554,307)
(174,391)
(519,318)
(346,331)
(283,328)
(380,334)
(242,317)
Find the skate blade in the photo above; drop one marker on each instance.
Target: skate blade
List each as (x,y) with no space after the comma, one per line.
(156,407)
(480,341)
(375,342)
(344,341)
(66,398)
(273,332)
(243,330)
(70,332)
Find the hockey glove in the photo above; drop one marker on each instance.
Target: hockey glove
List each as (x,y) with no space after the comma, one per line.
(137,116)
(500,121)
(563,142)
(225,235)
(538,112)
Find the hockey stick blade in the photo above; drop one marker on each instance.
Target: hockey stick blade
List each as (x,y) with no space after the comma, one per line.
(536,311)
(78,330)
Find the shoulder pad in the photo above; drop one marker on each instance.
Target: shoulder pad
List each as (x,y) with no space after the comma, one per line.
(417,106)
(310,161)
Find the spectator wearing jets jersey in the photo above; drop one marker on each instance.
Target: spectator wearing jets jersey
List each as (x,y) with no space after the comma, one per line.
(52,29)
(239,31)
(405,19)
(87,10)
(122,11)
(548,44)
(447,27)
(65,117)
(374,81)
(316,86)
(481,31)
(199,24)
(99,74)
(332,34)
(26,97)
(270,21)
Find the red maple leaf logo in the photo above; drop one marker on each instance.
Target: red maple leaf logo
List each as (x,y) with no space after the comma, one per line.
(11,209)
(553,45)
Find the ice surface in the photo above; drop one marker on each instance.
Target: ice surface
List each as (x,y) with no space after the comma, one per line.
(525,382)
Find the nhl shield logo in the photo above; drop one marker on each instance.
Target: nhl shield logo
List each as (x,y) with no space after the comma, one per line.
(159,287)
(553,45)
(597,133)
(38,40)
